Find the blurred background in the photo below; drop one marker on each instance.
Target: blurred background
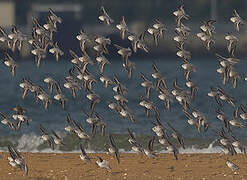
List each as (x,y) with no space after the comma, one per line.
(139,14)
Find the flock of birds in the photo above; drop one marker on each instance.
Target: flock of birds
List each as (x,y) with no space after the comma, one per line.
(79,78)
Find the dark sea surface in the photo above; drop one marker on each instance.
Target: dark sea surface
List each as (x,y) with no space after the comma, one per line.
(28,138)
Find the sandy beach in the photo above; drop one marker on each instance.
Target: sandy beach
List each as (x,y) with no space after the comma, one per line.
(69,166)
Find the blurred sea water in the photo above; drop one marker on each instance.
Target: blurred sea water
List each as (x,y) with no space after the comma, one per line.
(28,138)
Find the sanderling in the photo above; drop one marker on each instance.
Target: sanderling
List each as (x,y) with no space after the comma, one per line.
(176,135)
(122,27)
(10,62)
(124,52)
(4,37)
(60,96)
(182,53)
(173,149)
(94,98)
(81,133)
(56,51)
(214,93)
(83,38)
(146,84)
(56,19)
(105,80)
(50,26)
(5,120)
(39,52)
(46,137)
(103,163)
(17,160)
(157,30)
(160,79)
(17,37)
(70,124)
(166,96)
(20,110)
(237,20)
(137,147)
(149,151)
(180,14)
(104,17)
(113,148)
(102,61)
(235,121)
(232,166)
(84,155)
(208,27)
(50,81)
(57,139)
(183,30)
(231,42)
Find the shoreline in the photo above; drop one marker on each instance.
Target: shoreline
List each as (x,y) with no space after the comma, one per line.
(66,166)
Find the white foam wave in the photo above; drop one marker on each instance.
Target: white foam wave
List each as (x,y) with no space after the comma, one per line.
(29,142)
(191,150)
(210,149)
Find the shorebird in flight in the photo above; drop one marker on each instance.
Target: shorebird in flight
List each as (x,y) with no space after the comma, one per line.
(17,160)
(104,17)
(113,148)
(123,28)
(237,20)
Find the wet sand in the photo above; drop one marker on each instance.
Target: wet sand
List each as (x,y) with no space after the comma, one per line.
(69,166)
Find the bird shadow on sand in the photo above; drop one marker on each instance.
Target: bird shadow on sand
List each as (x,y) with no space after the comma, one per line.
(116,172)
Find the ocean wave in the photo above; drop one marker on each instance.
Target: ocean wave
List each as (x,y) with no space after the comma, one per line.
(214,150)
(29,142)
(34,144)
